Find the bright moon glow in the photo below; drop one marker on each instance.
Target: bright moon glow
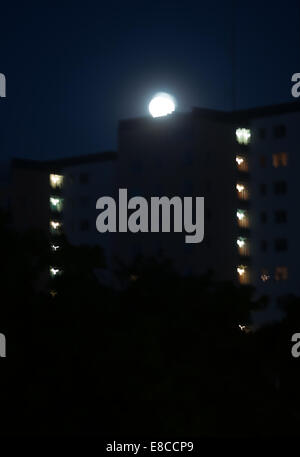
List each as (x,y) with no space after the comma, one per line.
(161,105)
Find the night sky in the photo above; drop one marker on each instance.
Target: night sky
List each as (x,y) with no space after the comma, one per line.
(74,69)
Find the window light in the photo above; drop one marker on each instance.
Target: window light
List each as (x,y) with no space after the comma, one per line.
(243,135)
(56,180)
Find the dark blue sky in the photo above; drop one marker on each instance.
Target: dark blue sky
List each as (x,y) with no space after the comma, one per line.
(74,69)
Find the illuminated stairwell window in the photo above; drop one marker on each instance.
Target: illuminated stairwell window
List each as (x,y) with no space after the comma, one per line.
(243,246)
(56,204)
(56,181)
(243,274)
(242,218)
(242,191)
(243,135)
(54,272)
(242,163)
(55,227)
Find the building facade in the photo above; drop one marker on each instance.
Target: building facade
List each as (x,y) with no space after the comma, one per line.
(59,198)
(244,163)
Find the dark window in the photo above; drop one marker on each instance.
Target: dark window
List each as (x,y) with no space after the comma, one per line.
(84,225)
(262,161)
(84,178)
(280,244)
(263,189)
(280,216)
(263,217)
(262,133)
(279,131)
(263,245)
(280,187)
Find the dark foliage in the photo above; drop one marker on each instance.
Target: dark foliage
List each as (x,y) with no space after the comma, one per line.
(163,355)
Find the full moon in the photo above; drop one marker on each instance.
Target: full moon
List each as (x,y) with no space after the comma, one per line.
(161,104)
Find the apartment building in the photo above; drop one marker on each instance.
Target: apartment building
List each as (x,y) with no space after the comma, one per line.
(244,163)
(275,224)
(59,197)
(185,155)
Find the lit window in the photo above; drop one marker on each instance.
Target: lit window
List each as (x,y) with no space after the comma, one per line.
(243,218)
(56,204)
(56,181)
(242,191)
(242,163)
(243,246)
(241,270)
(55,227)
(243,274)
(280,159)
(245,328)
(281,273)
(240,242)
(55,272)
(264,275)
(243,136)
